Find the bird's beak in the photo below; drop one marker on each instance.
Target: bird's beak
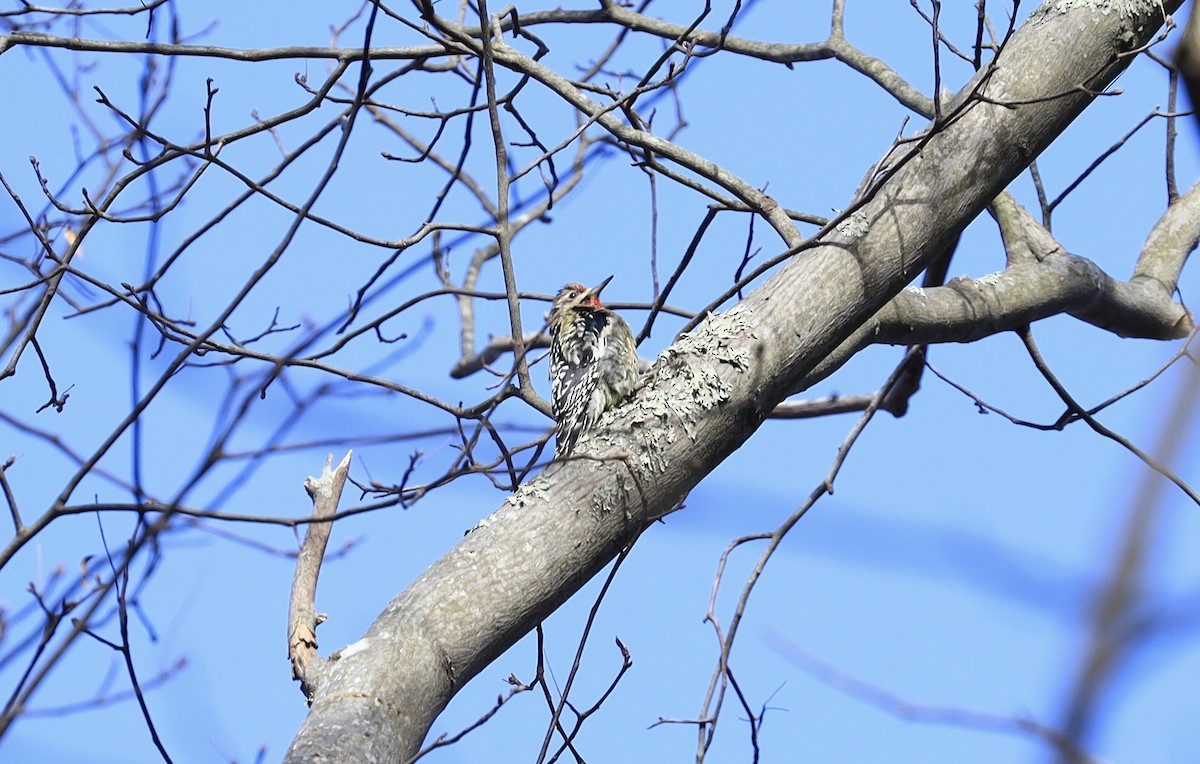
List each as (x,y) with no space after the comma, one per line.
(595,291)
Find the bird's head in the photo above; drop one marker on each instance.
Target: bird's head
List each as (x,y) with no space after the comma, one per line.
(575,295)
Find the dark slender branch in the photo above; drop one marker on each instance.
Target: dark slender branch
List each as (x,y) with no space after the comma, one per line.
(1075,410)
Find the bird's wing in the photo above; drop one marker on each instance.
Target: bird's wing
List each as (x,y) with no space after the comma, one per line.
(569,402)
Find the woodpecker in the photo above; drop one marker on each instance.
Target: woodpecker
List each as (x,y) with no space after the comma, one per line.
(593,362)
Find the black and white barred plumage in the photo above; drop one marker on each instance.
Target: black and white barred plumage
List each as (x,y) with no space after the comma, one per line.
(593,362)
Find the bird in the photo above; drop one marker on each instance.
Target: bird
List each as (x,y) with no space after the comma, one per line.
(593,362)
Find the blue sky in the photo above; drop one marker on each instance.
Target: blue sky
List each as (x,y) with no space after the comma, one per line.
(951,569)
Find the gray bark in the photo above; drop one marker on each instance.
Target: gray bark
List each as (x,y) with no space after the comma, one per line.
(707,394)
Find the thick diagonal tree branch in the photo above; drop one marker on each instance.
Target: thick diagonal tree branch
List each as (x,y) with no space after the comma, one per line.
(708,392)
